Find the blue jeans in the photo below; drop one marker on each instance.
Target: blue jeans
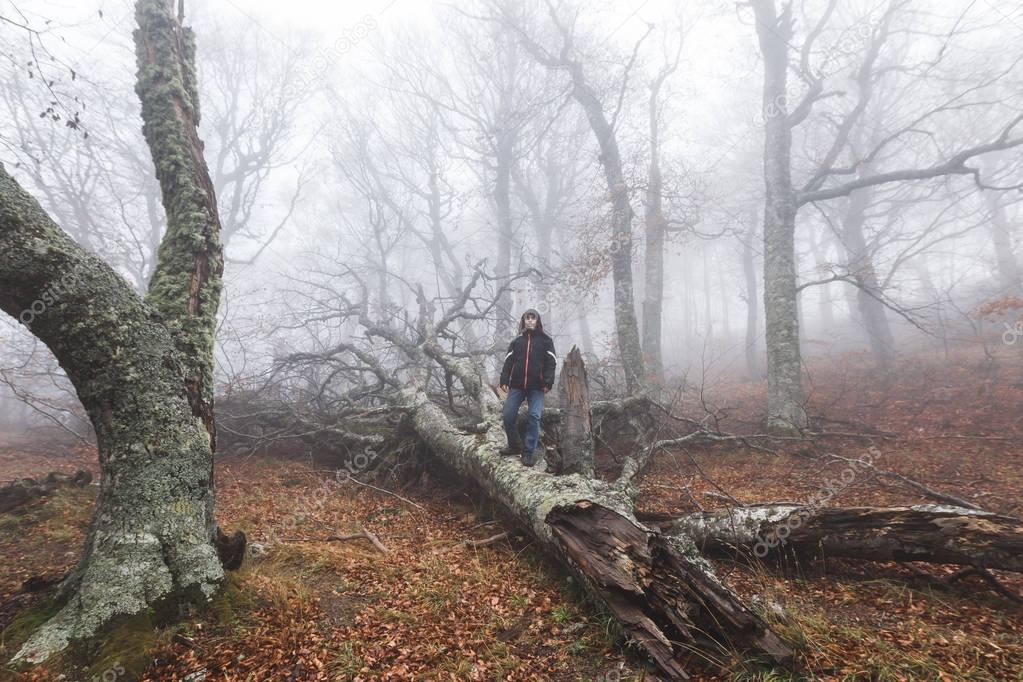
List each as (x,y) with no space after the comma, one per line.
(534,398)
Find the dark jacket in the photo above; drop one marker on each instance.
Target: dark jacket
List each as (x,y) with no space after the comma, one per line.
(530,362)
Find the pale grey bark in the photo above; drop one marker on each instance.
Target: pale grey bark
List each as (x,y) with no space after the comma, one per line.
(664,594)
(933,533)
(785,410)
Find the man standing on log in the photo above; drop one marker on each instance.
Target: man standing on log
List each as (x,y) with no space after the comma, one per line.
(528,374)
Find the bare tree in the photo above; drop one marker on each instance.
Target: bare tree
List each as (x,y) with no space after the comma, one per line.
(828,175)
(249,125)
(656,228)
(562,57)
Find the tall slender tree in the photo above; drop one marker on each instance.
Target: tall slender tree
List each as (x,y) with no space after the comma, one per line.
(563,58)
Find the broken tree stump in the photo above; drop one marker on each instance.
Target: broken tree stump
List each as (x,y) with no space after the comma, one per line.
(575,451)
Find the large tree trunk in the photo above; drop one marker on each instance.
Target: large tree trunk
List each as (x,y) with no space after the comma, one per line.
(937,534)
(152,531)
(143,370)
(785,410)
(661,590)
(653,285)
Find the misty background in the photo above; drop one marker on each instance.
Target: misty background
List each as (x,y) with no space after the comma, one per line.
(359,151)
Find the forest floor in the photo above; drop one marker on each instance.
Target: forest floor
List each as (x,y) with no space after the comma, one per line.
(432,607)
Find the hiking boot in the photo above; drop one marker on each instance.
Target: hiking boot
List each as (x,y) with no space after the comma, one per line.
(509,450)
(527,459)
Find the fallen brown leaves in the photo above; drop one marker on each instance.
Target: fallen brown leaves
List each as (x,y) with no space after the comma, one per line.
(430,608)
(434,608)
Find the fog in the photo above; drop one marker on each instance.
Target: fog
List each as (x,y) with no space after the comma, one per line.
(365,152)
(476,340)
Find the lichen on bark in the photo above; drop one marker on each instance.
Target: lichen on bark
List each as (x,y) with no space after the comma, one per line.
(186,284)
(142,369)
(153,451)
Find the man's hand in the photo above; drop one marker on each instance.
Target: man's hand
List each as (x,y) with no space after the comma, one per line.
(545,389)
(504,387)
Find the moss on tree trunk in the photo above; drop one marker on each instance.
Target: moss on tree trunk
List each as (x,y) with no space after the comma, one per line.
(142,369)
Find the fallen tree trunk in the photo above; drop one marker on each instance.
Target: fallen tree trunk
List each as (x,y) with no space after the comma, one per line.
(657,585)
(931,533)
(662,591)
(660,588)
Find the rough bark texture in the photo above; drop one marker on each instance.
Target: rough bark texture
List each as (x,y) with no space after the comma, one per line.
(143,370)
(933,533)
(152,531)
(185,288)
(576,447)
(784,366)
(665,596)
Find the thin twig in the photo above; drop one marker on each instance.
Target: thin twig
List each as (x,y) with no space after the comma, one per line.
(386,492)
(487,541)
(361,535)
